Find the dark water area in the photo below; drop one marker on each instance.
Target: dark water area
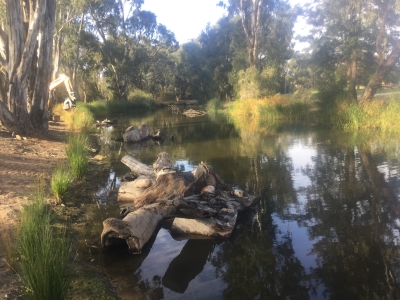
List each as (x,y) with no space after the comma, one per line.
(327,225)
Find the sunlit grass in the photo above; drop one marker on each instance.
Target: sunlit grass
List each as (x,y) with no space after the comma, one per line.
(60,181)
(77,153)
(77,119)
(44,251)
(274,108)
(377,115)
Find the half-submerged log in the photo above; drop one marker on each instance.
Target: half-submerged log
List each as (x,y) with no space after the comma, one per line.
(200,202)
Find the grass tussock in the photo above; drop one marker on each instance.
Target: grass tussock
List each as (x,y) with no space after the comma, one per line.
(77,154)
(377,115)
(60,181)
(78,119)
(274,108)
(44,251)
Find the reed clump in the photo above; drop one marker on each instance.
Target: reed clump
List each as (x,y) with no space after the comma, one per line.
(44,250)
(377,115)
(77,153)
(274,108)
(61,179)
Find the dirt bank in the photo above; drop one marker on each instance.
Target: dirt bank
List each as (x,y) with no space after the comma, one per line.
(23,162)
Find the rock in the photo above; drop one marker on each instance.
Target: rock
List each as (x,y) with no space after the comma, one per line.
(133,134)
(18,137)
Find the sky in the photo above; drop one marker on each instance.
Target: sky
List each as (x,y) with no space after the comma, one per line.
(187,18)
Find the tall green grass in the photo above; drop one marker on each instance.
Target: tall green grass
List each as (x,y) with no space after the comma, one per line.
(137,101)
(60,181)
(77,153)
(377,115)
(44,251)
(273,109)
(78,119)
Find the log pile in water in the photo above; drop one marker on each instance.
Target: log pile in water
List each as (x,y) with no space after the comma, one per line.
(200,202)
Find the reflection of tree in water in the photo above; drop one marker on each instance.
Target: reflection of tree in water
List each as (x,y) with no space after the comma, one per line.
(355,213)
(255,264)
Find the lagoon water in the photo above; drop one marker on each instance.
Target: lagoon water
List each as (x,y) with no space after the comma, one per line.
(327,225)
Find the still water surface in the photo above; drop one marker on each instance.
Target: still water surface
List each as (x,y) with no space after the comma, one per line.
(327,226)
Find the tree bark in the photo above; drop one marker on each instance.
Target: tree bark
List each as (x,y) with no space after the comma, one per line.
(21,50)
(384,68)
(39,115)
(251,28)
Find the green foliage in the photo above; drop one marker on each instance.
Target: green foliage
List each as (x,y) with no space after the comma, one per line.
(103,109)
(249,84)
(44,251)
(378,115)
(77,153)
(60,181)
(214,106)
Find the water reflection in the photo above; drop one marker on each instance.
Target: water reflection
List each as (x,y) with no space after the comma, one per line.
(327,226)
(187,265)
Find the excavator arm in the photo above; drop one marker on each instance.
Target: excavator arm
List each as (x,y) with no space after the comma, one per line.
(69,102)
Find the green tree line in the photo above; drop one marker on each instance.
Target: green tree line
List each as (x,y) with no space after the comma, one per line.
(111,48)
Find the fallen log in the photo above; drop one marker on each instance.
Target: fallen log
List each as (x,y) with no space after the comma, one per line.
(208,219)
(200,202)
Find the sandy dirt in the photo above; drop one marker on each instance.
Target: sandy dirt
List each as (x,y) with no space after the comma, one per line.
(24,161)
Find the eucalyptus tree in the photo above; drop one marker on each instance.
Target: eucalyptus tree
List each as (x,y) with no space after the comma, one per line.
(267,31)
(263,23)
(130,41)
(26,44)
(387,43)
(351,39)
(192,79)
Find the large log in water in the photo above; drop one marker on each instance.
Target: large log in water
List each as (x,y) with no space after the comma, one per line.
(215,217)
(201,203)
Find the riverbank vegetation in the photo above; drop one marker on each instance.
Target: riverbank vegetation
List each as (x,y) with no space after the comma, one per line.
(43,249)
(248,54)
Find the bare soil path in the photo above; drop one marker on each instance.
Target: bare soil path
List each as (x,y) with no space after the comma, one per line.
(23,162)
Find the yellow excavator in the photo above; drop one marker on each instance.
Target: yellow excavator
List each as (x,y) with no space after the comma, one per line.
(70,102)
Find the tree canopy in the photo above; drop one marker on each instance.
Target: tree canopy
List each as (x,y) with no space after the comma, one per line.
(110,48)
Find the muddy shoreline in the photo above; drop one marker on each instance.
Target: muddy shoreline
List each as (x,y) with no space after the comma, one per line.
(25,162)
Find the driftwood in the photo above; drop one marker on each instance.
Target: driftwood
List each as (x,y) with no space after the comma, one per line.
(200,202)
(194,113)
(106,123)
